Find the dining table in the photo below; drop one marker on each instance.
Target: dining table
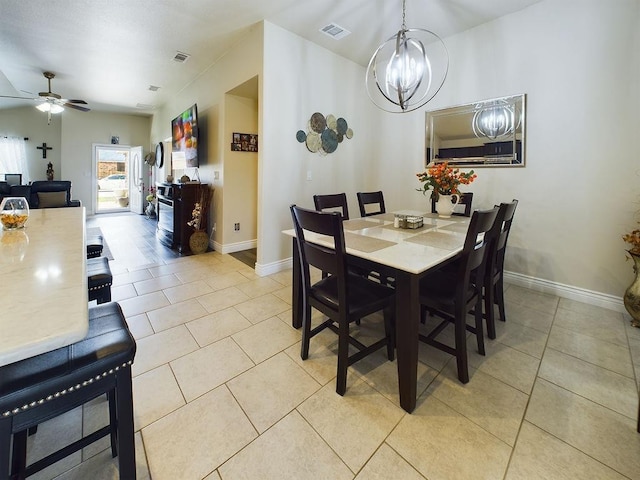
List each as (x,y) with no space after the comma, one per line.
(375,243)
(43,279)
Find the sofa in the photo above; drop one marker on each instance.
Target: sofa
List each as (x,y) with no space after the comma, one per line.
(42,193)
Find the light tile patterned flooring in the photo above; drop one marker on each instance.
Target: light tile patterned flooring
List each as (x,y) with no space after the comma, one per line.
(220,391)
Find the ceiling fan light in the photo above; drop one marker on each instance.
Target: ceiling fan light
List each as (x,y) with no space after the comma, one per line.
(44,107)
(50,107)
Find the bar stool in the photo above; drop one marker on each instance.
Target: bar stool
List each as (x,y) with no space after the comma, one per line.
(95,245)
(99,279)
(45,386)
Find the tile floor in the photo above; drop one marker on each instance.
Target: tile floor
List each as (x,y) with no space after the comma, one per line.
(220,391)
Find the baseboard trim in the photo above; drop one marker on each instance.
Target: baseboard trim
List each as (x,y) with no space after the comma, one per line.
(590,297)
(263,270)
(235,247)
(570,292)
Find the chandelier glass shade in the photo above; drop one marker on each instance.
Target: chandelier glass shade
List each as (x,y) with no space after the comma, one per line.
(496,120)
(407,70)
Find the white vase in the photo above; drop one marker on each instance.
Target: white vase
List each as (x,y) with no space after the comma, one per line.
(445,205)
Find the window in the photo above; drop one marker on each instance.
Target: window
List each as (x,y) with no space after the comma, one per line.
(13,157)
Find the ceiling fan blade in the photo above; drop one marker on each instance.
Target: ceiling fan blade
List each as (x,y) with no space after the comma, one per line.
(77,101)
(10,96)
(77,107)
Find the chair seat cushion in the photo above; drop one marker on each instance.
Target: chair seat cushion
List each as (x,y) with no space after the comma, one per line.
(363,293)
(94,246)
(108,345)
(98,272)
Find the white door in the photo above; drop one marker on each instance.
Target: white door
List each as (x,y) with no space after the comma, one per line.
(136,181)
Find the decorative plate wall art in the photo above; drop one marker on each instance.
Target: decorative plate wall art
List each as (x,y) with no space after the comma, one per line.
(324,133)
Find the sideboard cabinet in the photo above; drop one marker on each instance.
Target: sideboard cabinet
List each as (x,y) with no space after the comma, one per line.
(175,204)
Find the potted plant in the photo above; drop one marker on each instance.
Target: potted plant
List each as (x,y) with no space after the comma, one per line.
(443,181)
(632,294)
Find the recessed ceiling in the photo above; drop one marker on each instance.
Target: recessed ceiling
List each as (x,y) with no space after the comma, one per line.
(109,53)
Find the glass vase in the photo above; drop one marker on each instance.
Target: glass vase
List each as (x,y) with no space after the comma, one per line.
(14,212)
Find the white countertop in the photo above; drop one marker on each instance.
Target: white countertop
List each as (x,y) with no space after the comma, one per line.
(43,281)
(413,251)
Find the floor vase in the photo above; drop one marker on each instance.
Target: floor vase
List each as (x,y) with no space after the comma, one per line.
(632,294)
(199,241)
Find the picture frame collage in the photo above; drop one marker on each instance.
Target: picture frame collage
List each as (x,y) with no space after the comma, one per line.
(244,142)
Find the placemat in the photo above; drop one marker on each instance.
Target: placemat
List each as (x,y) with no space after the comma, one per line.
(360,223)
(456,227)
(410,230)
(446,241)
(365,244)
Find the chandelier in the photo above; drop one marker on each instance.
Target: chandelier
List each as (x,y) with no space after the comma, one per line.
(494,120)
(407,70)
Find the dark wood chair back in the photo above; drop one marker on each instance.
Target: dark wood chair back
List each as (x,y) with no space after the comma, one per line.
(331,261)
(451,294)
(332,201)
(465,199)
(371,198)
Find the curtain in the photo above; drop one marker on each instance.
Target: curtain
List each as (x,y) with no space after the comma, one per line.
(13,157)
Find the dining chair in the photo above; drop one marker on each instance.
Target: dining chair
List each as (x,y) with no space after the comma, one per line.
(342,296)
(465,199)
(494,275)
(370,198)
(451,293)
(332,201)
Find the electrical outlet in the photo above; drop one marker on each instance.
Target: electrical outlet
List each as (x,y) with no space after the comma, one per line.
(309,175)
(236,227)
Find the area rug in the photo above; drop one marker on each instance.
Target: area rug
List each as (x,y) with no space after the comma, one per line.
(94,231)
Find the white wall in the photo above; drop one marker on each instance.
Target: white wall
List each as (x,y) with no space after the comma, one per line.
(240,173)
(578,65)
(301,78)
(241,63)
(32,123)
(80,130)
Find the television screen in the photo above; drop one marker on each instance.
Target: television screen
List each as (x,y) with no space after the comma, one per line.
(184,137)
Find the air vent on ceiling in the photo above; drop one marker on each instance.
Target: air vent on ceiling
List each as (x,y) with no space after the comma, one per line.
(153,88)
(181,57)
(145,106)
(335,31)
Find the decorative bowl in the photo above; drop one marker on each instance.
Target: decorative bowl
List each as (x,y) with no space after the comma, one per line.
(14,212)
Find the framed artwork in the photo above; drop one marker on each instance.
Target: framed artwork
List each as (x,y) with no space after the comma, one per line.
(244,142)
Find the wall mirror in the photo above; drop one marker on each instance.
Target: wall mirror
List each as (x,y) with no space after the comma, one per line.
(487,133)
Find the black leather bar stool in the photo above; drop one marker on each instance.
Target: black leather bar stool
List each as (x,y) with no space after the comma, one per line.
(94,246)
(99,279)
(45,386)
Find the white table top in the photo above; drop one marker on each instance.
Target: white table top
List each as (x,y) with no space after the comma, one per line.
(43,281)
(413,251)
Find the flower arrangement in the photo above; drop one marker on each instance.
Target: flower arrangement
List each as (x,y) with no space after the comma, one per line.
(200,211)
(152,194)
(443,180)
(633,239)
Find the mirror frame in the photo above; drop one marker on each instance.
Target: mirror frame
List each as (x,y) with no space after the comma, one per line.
(464,148)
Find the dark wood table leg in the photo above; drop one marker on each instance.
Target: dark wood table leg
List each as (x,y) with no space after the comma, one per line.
(296,290)
(407,321)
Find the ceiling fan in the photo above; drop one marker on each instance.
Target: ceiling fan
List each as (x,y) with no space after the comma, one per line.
(52,102)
